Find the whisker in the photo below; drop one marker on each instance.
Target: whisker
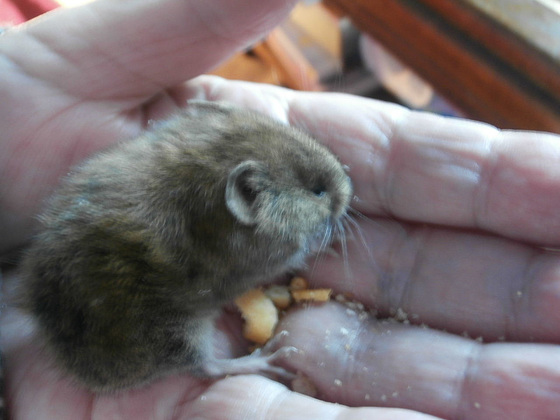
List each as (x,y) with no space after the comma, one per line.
(326,238)
(352,211)
(349,233)
(354,226)
(320,255)
(341,233)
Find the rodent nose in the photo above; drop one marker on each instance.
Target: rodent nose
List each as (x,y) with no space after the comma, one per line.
(341,200)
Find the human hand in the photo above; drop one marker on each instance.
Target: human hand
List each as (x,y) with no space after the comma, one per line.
(478,190)
(458,245)
(78,80)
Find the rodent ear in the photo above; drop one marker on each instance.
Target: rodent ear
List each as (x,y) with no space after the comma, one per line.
(242,191)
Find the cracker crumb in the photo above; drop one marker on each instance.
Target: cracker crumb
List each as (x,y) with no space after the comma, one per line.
(304,385)
(280,296)
(298,283)
(340,298)
(401,315)
(260,315)
(315,295)
(363,316)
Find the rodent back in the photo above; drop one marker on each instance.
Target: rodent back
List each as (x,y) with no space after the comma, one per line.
(217,187)
(161,230)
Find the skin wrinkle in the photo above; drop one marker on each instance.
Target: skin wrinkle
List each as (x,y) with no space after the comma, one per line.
(116,61)
(50,86)
(222,28)
(475,129)
(465,401)
(29,139)
(537,305)
(126,67)
(519,176)
(67,58)
(377,148)
(210,25)
(480,200)
(386,188)
(277,404)
(174,95)
(159,107)
(33,72)
(516,303)
(181,406)
(378,190)
(70,153)
(90,404)
(440,156)
(358,351)
(402,300)
(59,54)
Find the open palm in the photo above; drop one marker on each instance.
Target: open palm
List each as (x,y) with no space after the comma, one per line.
(461,220)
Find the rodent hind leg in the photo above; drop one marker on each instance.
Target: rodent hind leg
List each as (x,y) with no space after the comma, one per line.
(258,362)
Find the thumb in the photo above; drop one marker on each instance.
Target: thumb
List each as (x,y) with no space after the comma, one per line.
(75,80)
(129,50)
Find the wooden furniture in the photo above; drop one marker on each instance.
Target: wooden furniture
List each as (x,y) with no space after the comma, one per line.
(497,60)
(280,59)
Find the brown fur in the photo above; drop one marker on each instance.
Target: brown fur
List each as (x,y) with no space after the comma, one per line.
(143,243)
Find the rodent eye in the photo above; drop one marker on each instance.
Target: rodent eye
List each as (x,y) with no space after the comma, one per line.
(319,191)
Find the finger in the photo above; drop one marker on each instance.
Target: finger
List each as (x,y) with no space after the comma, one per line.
(132,50)
(255,397)
(462,282)
(423,167)
(74,82)
(455,280)
(427,168)
(36,390)
(360,361)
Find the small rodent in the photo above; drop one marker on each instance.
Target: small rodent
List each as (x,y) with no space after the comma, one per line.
(143,243)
